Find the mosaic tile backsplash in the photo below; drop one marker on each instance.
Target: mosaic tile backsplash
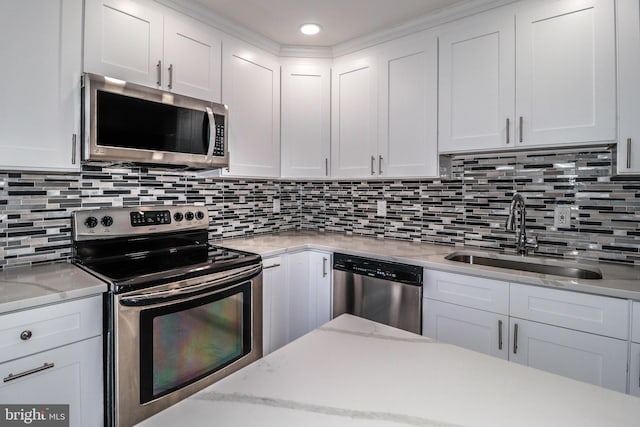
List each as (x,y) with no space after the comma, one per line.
(467,209)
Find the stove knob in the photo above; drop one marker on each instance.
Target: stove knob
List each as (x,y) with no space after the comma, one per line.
(189,216)
(107,221)
(199,215)
(91,222)
(178,216)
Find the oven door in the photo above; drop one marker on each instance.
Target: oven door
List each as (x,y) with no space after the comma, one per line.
(176,339)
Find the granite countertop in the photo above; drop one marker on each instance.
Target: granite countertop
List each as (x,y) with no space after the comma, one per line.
(618,280)
(355,372)
(27,287)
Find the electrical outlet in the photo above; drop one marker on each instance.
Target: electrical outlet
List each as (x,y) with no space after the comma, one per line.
(382,208)
(562,216)
(276,205)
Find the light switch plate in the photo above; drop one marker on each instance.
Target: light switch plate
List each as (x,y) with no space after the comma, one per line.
(382,208)
(562,216)
(276,205)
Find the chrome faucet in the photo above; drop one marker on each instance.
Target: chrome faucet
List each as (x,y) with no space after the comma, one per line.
(518,210)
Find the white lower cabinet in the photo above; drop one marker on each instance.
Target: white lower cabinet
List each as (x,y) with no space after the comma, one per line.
(466,327)
(53,355)
(71,375)
(579,355)
(575,335)
(275,304)
(634,370)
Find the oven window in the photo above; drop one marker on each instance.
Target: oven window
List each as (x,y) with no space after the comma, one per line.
(183,342)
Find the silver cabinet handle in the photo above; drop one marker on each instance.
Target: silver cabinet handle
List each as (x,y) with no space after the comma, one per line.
(515,339)
(326,166)
(508,136)
(26,335)
(212,132)
(170,85)
(380,165)
(628,153)
(159,73)
(373,159)
(521,126)
(12,377)
(499,334)
(74,142)
(324,267)
(270,266)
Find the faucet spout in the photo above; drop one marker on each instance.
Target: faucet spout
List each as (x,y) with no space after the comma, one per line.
(518,215)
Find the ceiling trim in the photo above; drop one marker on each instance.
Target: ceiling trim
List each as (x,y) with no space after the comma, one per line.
(425,22)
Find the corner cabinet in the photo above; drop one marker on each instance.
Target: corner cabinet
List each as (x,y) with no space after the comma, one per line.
(251,89)
(553,60)
(306,118)
(142,42)
(575,335)
(41,67)
(53,355)
(628,21)
(408,107)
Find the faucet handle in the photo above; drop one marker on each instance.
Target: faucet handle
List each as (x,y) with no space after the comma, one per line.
(532,242)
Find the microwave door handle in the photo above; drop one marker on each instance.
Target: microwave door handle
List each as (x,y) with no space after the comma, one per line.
(212,132)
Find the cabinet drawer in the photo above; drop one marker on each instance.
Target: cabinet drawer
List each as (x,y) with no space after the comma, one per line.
(635,322)
(31,331)
(469,291)
(573,310)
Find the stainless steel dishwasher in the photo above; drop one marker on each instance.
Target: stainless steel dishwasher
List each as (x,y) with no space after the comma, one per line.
(385,292)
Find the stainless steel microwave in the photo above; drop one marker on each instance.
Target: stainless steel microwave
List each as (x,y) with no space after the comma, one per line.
(126,122)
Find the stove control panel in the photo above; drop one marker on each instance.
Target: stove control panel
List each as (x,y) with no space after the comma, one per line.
(119,222)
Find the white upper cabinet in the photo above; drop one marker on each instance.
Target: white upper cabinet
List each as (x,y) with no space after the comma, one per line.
(408,103)
(628,25)
(306,118)
(354,144)
(41,54)
(565,73)
(547,79)
(251,89)
(477,85)
(142,42)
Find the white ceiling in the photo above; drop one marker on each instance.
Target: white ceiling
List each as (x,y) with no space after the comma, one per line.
(341,20)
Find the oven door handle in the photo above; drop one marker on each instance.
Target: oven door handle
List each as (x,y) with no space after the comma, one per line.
(165,295)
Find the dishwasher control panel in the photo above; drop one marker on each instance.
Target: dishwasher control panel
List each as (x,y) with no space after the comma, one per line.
(384,270)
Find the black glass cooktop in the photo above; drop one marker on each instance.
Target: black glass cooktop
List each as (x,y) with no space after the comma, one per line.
(143,262)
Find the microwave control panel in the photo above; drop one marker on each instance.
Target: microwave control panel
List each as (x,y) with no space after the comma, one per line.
(218,145)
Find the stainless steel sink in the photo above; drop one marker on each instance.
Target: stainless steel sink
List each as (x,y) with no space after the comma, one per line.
(535,265)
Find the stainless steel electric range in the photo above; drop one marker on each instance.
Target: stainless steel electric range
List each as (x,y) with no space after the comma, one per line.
(181,313)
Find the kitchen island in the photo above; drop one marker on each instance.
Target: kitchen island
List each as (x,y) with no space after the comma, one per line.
(354,372)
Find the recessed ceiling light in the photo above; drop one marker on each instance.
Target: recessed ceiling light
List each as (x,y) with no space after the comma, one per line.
(310,29)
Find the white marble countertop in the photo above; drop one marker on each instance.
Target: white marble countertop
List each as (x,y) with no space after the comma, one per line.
(354,372)
(618,280)
(27,287)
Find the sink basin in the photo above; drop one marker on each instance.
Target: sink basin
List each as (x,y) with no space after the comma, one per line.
(535,265)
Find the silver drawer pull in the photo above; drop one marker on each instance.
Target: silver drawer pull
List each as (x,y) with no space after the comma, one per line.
(270,266)
(515,339)
(628,153)
(499,334)
(25,335)
(12,377)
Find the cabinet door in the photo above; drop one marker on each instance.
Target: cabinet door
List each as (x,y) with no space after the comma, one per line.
(275,305)
(321,284)
(123,39)
(41,66)
(584,357)
(565,73)
(476,330)
(354,145)
(251,89)
(306,118)
(628,25)
(634,370)
(408,137)
(476,84)
(72,375)
(301,295)
(192,58)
